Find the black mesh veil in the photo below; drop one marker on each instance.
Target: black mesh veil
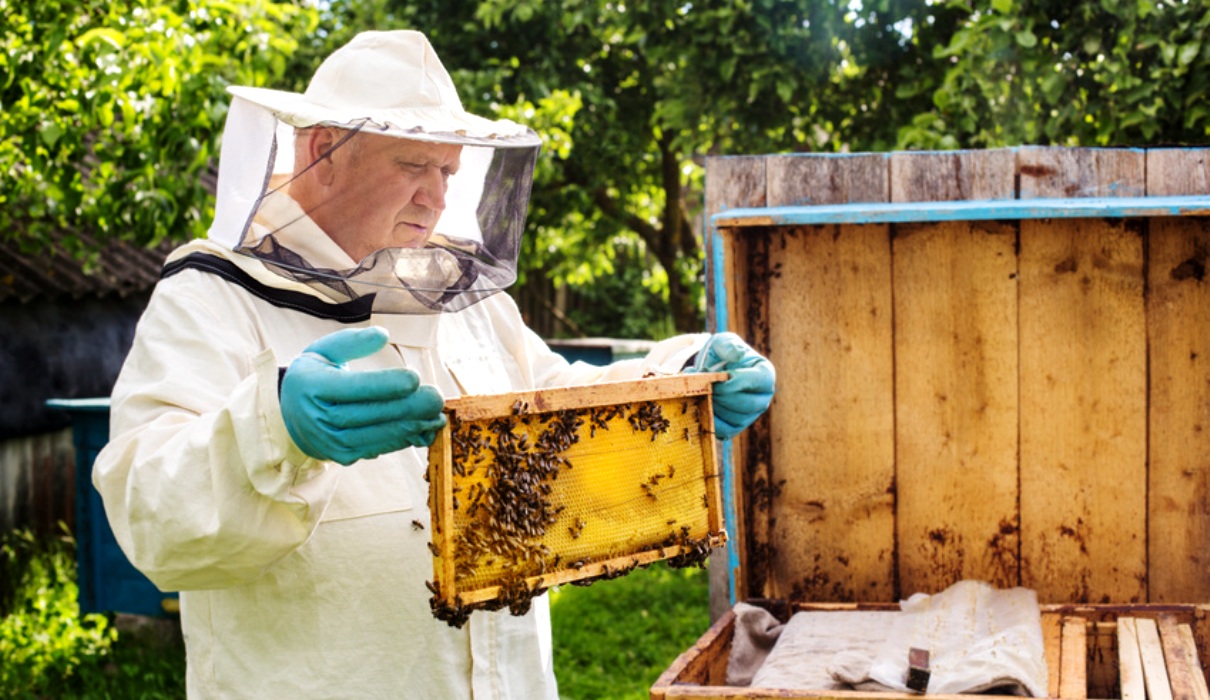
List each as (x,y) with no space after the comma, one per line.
(459,265)
(385,91)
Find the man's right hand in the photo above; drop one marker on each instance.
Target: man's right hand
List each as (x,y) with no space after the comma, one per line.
(341,415)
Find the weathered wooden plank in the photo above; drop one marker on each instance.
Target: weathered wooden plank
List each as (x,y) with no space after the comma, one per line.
(1178,311)
(1083,411)
(953,175)
(1102,659)
(1176,659)
(735,181)
(827,179)
(1177,171)
(1073,670)
(956,404)
(1130,663)
(850,555)
(833,423)
(982,210)
(1155,673)
(1197,673)
(1046,171)
(732,181)
(750,448)
(704,663)
(1052,642)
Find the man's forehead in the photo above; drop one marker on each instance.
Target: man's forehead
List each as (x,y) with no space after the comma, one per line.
(428,150)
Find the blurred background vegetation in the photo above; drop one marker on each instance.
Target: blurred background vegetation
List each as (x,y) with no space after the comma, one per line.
(112,109)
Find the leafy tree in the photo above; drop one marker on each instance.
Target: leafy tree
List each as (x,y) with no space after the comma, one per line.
(1115,72)
(112,110)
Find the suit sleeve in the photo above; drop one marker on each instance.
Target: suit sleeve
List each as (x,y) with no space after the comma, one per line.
(201,483)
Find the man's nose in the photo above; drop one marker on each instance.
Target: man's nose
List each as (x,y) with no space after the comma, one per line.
(431,192)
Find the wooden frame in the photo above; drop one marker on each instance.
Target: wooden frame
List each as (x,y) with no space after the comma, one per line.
(594,453)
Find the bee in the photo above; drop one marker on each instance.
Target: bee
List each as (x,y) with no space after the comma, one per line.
(417,525)
(433,548)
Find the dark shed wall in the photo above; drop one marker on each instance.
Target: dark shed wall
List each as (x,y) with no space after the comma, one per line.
(53,349)
(60,349)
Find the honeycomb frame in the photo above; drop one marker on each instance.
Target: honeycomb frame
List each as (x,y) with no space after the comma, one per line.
(533,489)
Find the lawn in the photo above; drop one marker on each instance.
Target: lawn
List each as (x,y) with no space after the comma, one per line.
(612,639)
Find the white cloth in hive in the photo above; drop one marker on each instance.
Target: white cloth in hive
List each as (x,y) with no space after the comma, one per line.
(816,646)
(978,638)
(808,652)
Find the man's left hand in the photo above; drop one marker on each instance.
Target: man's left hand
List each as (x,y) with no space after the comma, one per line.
(747,393)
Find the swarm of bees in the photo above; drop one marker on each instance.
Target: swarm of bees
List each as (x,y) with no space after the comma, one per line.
(506,510)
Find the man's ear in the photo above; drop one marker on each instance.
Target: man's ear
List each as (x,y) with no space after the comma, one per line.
(317,149)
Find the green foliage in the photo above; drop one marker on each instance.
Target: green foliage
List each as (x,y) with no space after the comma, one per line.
(617,302)
(112,109)
(44,642)
(1115,72)
(614,638)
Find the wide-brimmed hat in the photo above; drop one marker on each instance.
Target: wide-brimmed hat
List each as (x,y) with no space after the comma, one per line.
(394,81)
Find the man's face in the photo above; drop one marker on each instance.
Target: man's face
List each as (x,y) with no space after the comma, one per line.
(385,192)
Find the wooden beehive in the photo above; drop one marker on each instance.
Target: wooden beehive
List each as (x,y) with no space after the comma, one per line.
(992,365)
(539,488)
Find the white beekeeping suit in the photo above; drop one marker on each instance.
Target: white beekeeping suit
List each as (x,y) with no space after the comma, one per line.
(300,577)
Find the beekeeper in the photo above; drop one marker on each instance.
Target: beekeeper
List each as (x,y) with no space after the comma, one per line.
(269,425)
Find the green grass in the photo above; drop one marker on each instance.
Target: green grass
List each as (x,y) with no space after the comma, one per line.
(612,639)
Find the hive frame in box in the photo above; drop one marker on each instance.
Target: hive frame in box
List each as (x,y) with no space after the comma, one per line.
(1009,387)
(491,581)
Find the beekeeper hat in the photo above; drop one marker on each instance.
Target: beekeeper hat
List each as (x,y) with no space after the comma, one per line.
(394,81)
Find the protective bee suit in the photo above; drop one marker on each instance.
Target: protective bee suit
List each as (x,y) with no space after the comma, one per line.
(300,577)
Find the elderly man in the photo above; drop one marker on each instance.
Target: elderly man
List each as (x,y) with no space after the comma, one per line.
(267,455)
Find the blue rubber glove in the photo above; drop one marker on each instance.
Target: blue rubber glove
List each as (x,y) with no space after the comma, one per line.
(341,415)
(743,397)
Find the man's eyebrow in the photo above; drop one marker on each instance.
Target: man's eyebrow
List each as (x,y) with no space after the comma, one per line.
(428,162)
